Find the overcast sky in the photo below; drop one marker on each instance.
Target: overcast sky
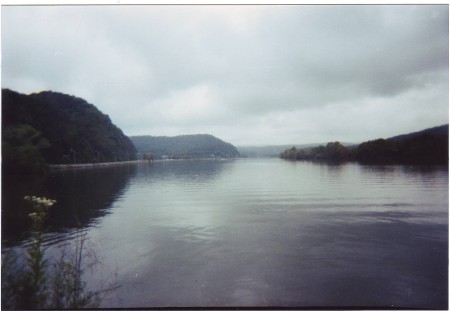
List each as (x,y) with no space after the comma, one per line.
(250,75)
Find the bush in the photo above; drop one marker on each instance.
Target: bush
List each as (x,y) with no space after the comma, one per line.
(31,281)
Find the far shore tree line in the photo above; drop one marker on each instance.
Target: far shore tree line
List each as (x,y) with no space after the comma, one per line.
(423,149)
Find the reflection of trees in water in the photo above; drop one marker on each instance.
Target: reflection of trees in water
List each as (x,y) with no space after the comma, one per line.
(409,170)
(82,196)
(189,170)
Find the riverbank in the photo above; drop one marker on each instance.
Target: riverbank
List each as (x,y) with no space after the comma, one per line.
(92,165)
(107,164)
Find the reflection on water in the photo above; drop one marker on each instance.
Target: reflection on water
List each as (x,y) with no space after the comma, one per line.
(187,170)
(266,232)
(82,195)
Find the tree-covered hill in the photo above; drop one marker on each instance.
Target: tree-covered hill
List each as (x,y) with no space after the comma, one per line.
(441,130)
(184,146)
(429,146)
(54,128)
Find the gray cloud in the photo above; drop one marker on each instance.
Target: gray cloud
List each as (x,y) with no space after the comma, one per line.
(247,74)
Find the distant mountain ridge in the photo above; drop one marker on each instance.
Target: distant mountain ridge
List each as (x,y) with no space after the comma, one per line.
(184,146)
(440,130)
(267,151)
(55,128)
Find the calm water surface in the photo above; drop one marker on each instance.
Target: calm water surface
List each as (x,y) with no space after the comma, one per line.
(255,232)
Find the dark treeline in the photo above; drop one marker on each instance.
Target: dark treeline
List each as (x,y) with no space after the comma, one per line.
(425,147)
(54,128)
(334,151)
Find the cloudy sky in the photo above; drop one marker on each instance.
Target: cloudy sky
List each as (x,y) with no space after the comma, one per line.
(250,75)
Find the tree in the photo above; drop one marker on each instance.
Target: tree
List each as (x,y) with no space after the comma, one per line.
(22,148)
(335,151)
(378,151)
(289,154)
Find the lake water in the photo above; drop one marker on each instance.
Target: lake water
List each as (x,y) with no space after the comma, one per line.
(253,232)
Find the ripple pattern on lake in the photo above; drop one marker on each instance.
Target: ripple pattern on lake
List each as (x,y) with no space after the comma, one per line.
(267,232)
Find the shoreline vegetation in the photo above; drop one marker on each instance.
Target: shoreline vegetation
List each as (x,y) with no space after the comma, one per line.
(33,280)
(54,131)
(427,147)
(54,128)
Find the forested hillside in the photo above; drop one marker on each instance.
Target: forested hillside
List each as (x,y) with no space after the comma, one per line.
(184,146)
(429,146)
(441,130)
(54,128)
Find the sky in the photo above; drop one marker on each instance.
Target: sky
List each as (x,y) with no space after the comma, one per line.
(248,74)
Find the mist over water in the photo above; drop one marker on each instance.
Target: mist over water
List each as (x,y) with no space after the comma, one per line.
(263,232)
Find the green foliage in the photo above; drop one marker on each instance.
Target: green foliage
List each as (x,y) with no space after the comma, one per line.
(68,288)
(13,281)
(422,149)
(22,148)
(184,146)
(33,283)
(30,285)
(269,151)
(333,151)
(425,147)
(380,151)
(75,130)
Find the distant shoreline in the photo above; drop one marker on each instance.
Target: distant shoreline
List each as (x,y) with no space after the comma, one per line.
(109,164)
(90,165)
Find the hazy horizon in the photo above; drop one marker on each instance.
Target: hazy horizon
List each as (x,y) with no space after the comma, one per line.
(249,75)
